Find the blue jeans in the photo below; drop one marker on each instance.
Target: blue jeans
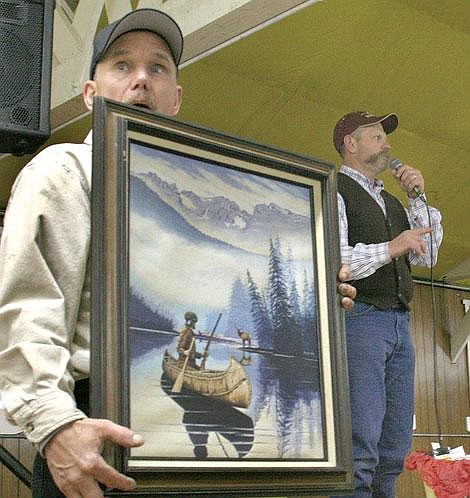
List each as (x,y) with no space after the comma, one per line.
(381,377)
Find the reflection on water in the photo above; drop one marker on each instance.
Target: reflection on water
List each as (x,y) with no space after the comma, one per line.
(284,419)
(203,416)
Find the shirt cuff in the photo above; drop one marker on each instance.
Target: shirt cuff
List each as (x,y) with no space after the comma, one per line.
(42,417)
(383,254)
(417,202)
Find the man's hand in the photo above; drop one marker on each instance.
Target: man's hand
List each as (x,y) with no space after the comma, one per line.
(409,241)
(408,178)
(347,291)
(75,462)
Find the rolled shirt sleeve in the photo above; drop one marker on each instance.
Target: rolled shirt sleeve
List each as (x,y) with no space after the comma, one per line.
(421,215)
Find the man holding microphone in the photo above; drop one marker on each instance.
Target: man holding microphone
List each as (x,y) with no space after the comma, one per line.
(380,240)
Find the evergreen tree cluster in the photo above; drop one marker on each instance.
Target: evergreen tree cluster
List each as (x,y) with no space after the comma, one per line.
(278,317)
(142,315)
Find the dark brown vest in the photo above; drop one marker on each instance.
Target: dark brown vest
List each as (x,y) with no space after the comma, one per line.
(391,284)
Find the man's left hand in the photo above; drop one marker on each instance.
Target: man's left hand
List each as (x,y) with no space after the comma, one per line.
(408,178)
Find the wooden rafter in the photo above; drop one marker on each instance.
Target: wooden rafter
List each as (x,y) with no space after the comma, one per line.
(206,24)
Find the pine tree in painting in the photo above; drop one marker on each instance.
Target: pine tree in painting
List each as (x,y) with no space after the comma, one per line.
(263,330)
(287,336)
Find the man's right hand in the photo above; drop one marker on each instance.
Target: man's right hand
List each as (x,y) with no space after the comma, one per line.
(409,241)
(75,462)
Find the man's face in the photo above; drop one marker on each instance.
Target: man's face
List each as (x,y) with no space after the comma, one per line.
(137,69)
(373,148)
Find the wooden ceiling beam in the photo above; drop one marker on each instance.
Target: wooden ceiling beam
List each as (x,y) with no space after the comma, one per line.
(207,25)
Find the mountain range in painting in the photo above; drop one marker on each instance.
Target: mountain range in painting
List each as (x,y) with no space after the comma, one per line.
(224,219)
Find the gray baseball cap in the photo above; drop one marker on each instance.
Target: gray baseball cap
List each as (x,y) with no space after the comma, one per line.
(139,20)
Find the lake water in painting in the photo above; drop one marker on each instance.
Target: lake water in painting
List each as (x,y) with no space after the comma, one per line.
(283,420)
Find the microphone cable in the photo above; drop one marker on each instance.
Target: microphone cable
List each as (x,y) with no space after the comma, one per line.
(437,412)
(394,165)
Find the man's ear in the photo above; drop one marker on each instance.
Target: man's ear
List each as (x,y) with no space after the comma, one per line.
(89,91)
(178,100)
(349,143)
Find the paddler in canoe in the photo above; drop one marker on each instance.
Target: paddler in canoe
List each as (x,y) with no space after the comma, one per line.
(186,348)
(230,385)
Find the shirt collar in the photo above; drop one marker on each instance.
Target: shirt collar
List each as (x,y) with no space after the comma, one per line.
(374,184)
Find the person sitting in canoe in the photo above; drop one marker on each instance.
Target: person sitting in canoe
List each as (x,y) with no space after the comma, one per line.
(186,347)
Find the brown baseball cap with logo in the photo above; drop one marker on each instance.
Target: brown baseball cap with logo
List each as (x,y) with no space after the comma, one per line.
(354,120)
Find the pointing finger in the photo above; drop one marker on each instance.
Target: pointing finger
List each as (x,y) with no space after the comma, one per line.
(423,230)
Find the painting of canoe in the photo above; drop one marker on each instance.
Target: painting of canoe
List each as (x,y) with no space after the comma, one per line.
(231,385)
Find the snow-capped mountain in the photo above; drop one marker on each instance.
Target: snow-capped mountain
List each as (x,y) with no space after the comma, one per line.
(222,218)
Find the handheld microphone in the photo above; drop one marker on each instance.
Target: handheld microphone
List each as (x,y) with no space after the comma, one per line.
(395,164)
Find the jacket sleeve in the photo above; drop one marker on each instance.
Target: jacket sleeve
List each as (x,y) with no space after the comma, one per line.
(43,264)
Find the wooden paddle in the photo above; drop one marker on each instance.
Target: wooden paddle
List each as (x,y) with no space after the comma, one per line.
(177,386)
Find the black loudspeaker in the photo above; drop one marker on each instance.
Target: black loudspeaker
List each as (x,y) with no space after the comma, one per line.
(26,30)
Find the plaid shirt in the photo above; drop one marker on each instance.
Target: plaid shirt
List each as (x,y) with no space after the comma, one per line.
(365,259)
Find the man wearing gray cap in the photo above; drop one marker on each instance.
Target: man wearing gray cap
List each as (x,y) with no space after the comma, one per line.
(44,270)
(380,239)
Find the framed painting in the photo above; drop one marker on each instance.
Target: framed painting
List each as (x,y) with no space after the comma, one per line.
(216,329)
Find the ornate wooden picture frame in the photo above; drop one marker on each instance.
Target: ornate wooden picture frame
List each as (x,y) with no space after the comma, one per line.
(216,330)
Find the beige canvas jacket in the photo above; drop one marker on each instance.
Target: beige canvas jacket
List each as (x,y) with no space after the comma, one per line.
(45,290)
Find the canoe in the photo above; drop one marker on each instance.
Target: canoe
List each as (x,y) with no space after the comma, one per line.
(231,386)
